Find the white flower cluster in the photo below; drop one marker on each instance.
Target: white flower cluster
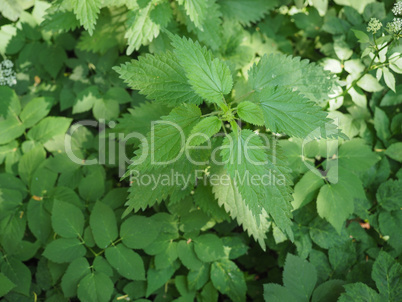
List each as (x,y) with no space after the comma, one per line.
(374,25)
(397,10)
(395,26)
(7,74)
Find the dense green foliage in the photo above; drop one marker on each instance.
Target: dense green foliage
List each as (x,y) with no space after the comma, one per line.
(304,97)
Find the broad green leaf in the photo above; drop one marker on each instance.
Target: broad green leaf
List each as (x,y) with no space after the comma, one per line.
(197,10)
(229,198)
(96,287)
(103,224)
(87,12)
(306,189)
(359,292)
(209,293)
(299,277)
(157,278)
(29,162)
(9,102)
(160,77)
(106,109)
(43,180)
(246,157)
(293,74)
(86,99)
(67,219)
(246,11)
(11,9)
(77,270)
(369,83)
(381,124)
(18,273)
(325,235)
(356,155)
(361,36)
(5,285)
(389,78)
(197,278)
(389,195)
(127,262)
(64,250)
(335,202)
(390,224)
(10,129)
(48,128)
(210,78)
(92,187)
(52,58)
(395,151)
(36,110)
(204,130)
(287,111)
(277,293)
(101,265)
(39,220)
(342,257)
(133,235)
(187,255)
(229,279)
(387,274)
(209,247)
(328,291)
(250,113)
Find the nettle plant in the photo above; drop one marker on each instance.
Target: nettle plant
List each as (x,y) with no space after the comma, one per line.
(281,94)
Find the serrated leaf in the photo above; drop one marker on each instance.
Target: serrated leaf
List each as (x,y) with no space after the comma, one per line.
(250,113)
(277,293)
(96,287)
(289,112)
(127,262)
(387,274)
(389,195)
(197,10)
(10,129)
(210,78)
(64,250)
(245,157)
(160,77)
(103,224)
(87,12)
(36,110)
(229,279)
(328,291)
(48,128)
(298,75)
(77,270)
(204,130)
(246,11)
(359,292)
(9,102)
(67,219)
(209,247)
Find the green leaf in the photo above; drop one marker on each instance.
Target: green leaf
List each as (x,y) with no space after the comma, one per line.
(48,128)
(306,189)
(277,293)
(328,291)
(387,274)
(361,36)
(67,219)
(389,195)
(64,250)
(39,220)
(53,58)
(335,202)
(197,278)
(229,279)
(103,224)
(395,151)
(96,287)
(157,278)
(359,292)
(187,255)
(289,112)
(9,102)
(210,78)
(250,113)
(35,110)
(204,130)
(325,235)
(381,124)
(77,270)
(293,74)
(106,109)
(356,155)
(11,9)
(10,129)
(127,262)
(17,273)
(246,11)
(209,247)
(246,159)
(197,10)
(160,77)
(86,99)
(5,285)
(390,224)
(87,12)
(389,78)
(299,277)
(29,162)
(229,197)
(133,235)
(369,83)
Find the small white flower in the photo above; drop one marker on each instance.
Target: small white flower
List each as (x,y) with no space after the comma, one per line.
(397,10)
(374,25)
(395,26)
(7,74)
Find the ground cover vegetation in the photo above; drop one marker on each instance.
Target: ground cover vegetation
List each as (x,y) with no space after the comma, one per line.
(200,150)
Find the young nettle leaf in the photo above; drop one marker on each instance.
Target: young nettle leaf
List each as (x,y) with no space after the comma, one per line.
(209,77)
(250,113)
(204,130)
(245,11)
(87,12)
(246,158)
(160,77)
(197,10)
